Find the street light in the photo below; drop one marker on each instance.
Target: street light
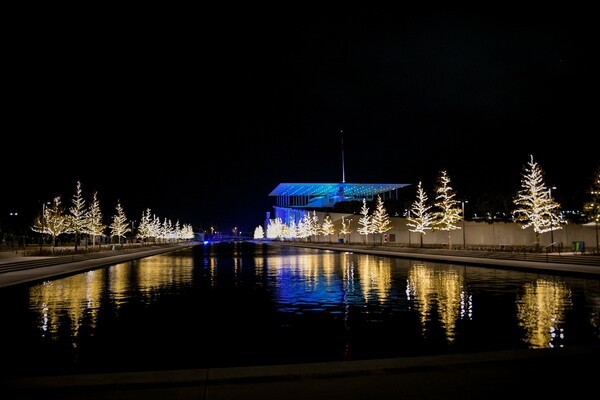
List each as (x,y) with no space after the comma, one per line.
(463,223)
(348,235)
(133,231)
(13,228)
(408,217)
(43,227)
(551,220)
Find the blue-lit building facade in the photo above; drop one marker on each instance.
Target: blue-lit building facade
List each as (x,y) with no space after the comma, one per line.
(293,200)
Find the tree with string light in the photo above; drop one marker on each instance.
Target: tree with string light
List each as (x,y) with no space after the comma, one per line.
(592,208)
(313,225)
(53,221)
(93,222)
(119,225)
(419,218)
(380,219)
(166,231)
(275,229)
(449,214)
(259,232)
(77,214)
(345,229)
(366,227)
(535,206)
(291,230)
(327,228)
(303,228)
(143,230)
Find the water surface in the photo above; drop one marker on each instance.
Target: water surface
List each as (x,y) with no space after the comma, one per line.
(235,304)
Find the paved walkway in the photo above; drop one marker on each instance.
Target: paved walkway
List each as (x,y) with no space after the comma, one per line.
(556,263)
(16,269)
(542,373)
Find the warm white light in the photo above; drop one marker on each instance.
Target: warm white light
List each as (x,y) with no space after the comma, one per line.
(419,218)
(535,206)
(449,214)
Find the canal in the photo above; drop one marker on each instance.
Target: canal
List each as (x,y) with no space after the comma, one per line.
(239,304)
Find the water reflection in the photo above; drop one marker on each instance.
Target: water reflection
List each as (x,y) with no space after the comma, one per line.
(439,291)
(375,278)
(595,314)
(318,305)
(541,309)
(65,305)
(67,302)
(160,272)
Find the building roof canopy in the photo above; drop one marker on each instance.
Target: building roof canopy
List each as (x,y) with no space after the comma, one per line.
(330,189)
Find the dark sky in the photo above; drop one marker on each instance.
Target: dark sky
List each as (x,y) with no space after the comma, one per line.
(198,116)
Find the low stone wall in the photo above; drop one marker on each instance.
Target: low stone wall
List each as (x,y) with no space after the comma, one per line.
(475,234)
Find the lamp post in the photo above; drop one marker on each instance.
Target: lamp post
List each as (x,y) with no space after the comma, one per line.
(13,229)
(463,223)
(43,224)
(408,217)
(349,230)
(132,231)
(551,219)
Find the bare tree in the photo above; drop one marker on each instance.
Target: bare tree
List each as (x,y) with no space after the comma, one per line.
(535,206)
(380,220)
(53,221)
(449,214)
(366,226)
(77,214)
(419,218)
(259,232)
(327,227)
(93,225)
(346,229)
(119,225)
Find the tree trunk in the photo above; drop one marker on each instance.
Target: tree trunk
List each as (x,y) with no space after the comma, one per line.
(597,248)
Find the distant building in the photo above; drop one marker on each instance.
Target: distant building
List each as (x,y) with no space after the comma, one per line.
(294,199)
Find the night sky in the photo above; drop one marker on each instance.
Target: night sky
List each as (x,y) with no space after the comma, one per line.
(200,116)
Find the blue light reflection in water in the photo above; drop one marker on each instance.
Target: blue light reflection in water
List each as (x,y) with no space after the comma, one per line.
(233,304)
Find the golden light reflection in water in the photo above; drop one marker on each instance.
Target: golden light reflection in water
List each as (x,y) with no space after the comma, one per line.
(119,278)
(163,270)
(66,304)
(595,314)
(541,310)
(375,277)
(77,295)
(259,267)
(348,274)
(431,288)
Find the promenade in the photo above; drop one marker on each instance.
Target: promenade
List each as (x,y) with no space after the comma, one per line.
(569,263)
(542,373)
(16,269)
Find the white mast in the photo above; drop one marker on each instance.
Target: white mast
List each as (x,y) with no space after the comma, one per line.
(343,168)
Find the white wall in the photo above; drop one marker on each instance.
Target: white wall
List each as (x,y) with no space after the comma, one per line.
(483,234)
